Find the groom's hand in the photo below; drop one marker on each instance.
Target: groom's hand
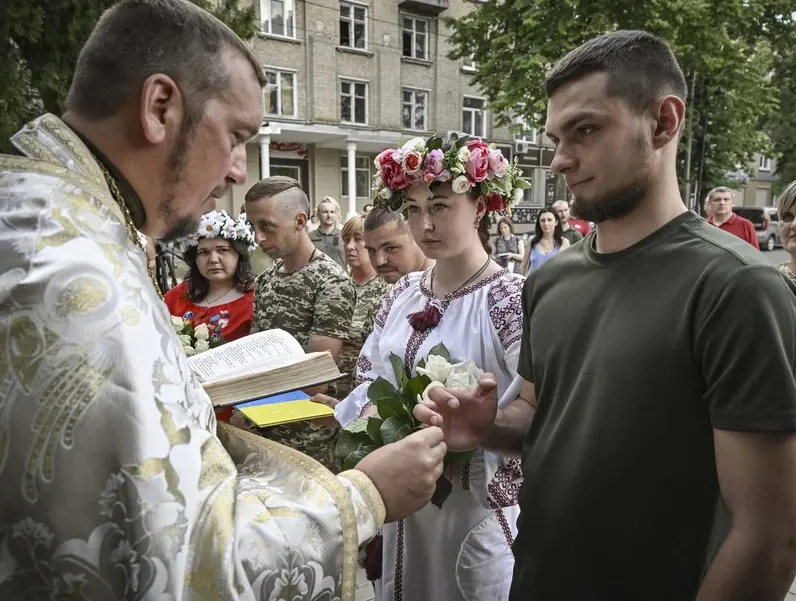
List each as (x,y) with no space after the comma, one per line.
(465,416)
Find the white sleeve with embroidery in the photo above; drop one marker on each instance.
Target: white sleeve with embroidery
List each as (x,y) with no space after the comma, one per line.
(495,480)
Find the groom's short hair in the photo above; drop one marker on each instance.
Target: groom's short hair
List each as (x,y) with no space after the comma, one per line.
(135,39)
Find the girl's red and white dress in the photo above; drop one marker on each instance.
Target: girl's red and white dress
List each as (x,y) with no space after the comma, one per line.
(461,552)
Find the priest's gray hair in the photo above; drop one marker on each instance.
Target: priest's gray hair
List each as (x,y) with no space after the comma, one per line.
(135,39)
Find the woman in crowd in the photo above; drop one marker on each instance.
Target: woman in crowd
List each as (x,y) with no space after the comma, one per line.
(509,248)
(471,305)
(548,240)
(218,290)
(787,227)
(370,289)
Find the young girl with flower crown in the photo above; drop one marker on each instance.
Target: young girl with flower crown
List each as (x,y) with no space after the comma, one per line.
(471,305)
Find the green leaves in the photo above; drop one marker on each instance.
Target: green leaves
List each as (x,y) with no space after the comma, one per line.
(434,143)
(394,429)
(442,492)
(398,369)
(442,351)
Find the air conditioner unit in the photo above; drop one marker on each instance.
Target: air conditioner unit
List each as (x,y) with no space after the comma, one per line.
(453,136)
(522,147)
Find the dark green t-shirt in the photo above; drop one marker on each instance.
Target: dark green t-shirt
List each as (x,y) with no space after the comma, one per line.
(688,331)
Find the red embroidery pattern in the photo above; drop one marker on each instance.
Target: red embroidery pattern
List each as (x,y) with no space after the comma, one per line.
(399,564)
(360,379)
(363,365)
(466,476)
(504,488)
(504,525)
(395,292)
(505,310)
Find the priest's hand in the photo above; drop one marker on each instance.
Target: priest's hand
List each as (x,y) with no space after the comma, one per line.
(466,416)
(406,472)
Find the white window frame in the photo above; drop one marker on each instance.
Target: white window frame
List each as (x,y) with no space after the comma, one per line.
(368,162)
(353,5)
(484,115)
(523,136)
(469,64)
(426,44)
(279,71)
(288,7)
(414,92)
(353,82)
(763,163)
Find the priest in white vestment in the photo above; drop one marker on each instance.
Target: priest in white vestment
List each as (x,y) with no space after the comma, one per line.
(115,483)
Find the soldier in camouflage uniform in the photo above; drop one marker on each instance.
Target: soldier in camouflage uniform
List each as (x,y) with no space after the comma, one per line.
(304,293)
(370,290)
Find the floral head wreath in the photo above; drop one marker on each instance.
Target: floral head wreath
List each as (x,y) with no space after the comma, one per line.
(469,164)
(220,223)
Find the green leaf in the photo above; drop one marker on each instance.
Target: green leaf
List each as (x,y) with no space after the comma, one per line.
(351,460)
(374,430)
(434,143)
(441,351)
(414,387)
(462,141)
(442,492)
(357,426)
(348,442)
(458,457)
(398,370)
(394,429)
(381,389)
(393,407)
(421,363)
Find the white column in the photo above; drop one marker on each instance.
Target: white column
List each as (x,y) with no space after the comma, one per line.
(351,147)
(265,159)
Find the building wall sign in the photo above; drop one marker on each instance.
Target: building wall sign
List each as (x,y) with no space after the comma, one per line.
(288,150)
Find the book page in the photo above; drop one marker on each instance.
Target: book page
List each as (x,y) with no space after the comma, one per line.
(250,353)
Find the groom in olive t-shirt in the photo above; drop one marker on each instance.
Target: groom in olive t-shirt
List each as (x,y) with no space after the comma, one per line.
(680,392)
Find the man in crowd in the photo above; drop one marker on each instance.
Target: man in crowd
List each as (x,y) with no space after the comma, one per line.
(116,482)
(721,215)
(561,207)
(581,226)
(304,293)
(680,396)
(392,249)
(326,237)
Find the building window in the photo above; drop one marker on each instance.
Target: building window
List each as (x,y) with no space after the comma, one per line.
(353,33)
(280,93)
(362,175)
(763,163)
(474,116)
(469,64)
(413,109)
(354,102)
(415,38)
(278,17)
(524,133)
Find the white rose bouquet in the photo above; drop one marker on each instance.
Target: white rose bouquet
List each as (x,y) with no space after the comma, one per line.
(395,419)
(194,339)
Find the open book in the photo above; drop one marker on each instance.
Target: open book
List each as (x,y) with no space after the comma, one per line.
(260,365)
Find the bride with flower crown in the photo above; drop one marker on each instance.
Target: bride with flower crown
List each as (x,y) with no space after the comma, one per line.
(461,552)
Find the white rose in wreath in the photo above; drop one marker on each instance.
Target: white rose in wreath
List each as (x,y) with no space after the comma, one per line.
(177,323)
(189,351)
(201,346)
(201,332)
(437,368)
(185,340)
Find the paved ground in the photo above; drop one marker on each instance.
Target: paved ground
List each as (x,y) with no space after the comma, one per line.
(365,589)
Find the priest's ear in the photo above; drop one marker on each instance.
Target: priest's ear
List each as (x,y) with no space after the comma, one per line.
(301,221)
(161,110)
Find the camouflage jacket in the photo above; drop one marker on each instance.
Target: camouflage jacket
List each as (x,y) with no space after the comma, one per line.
(330,244)
(319,299)
(369,298)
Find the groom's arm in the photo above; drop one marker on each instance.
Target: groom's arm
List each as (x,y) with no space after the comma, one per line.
(512,424)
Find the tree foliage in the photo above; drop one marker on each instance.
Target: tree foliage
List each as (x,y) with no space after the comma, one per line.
(40,41)
(782,123)
(729,45)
